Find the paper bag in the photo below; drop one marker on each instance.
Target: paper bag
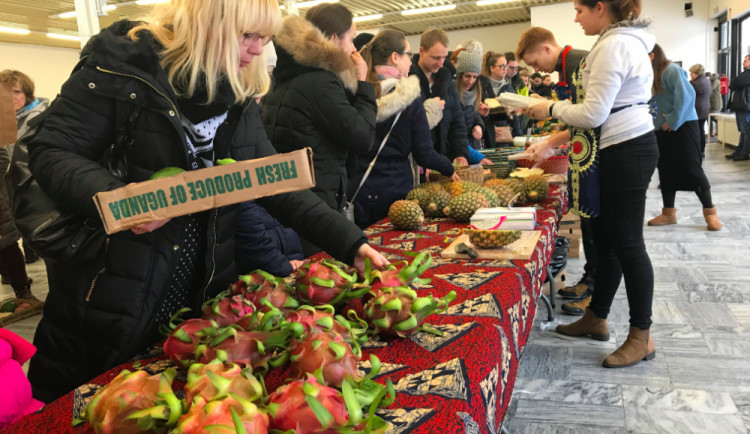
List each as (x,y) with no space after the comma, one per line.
(7,116)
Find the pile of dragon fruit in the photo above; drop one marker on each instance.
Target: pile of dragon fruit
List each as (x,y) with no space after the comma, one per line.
(262,323)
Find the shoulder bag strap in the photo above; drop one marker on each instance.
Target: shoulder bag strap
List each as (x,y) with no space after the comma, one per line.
(372,163)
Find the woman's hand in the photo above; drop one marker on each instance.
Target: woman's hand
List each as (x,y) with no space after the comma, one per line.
(377,261)
(460,161)
(539,110)
(665,126)
(455,177)
(540,151)
(361,65)
(295,264)
(486,162)
(476,132)
(149,227)
(484,110)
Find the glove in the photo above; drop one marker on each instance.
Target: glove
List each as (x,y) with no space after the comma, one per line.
(540,151)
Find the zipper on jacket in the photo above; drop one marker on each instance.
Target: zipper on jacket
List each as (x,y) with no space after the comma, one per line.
(213,255)
(93,283)
(169,100)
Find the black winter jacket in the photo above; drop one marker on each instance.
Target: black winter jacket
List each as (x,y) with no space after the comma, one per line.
(740,89)
(316,101)
(100,314)
(450,137)
(391,176)
(264,243)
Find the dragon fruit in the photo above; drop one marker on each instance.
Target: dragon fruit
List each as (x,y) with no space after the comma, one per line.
(322,318)
(260,285)
(326,281)
(217,380)
(255,349)
(400,312)
(134,402)
(181,344)
(326,355)
(397,274)
(230,415)
(307,407)
(226,310)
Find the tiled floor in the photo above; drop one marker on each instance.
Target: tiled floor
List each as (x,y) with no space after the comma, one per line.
(700,379)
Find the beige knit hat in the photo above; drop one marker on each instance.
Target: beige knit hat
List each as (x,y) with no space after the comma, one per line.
(468,62)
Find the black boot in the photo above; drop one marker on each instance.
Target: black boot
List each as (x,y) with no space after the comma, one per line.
(24,292)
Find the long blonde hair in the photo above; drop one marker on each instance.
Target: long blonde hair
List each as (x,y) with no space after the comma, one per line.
(202,36)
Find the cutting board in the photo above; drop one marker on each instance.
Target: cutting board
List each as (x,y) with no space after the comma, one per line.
(522,248)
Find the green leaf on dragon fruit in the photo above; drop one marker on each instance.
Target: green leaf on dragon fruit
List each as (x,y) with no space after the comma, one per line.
(239,427)
(324,416)
(352,404)
(326,283)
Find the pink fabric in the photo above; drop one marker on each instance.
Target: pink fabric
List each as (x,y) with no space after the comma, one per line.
(385,71)
(15,390)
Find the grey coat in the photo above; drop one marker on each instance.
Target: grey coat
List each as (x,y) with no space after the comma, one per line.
(716,103)
(702,96)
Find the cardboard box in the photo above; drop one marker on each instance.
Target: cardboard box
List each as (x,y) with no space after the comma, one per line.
(10,317)
(574,250)
(568,232)
(570,220)
(559,282)
(204,189)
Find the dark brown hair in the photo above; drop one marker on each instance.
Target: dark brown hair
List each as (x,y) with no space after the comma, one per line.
(619,10)
(477,88)
(659,64)
(330,18)
(379,50)
(489,59)
(22,80)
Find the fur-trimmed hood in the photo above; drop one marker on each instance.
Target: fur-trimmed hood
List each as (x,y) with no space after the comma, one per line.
(397,94)
(308,47)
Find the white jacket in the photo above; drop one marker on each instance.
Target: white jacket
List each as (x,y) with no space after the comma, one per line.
(617,74)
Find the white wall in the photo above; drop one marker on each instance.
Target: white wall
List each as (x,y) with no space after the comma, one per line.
(732,7)
(687,39)
(49,67)
(496,38)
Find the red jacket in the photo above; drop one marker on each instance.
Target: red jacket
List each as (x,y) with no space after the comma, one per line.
(724,85)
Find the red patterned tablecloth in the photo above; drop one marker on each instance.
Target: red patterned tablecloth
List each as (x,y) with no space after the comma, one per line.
(460,382)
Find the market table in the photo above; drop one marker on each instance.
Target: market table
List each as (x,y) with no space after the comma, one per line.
(459,382)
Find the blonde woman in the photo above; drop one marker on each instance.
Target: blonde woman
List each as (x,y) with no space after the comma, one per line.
(189,75)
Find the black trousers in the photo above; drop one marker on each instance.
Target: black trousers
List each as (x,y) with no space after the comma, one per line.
(625,172)
(589,249)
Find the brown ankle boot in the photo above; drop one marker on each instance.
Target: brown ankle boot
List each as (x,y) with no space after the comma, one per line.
(24,292)
(668,216)
(638,346)
(590,325)
(712,220)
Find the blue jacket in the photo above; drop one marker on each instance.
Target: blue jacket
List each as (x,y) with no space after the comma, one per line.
(264,243)
(391,176)
(676,103)
(472,119)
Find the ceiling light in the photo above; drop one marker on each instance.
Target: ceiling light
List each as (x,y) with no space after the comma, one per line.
(149,2)
(65,37)
(309,4)
(368,18)
(428,10)
(72,14)
(491,2)
(15,30)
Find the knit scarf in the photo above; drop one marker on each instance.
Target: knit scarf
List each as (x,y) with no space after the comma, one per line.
(468,98)
(386,71)
(496,84)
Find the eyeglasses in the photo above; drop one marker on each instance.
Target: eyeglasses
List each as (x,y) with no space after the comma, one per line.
(407,53)
(513,68)
(502,66)
(248,39)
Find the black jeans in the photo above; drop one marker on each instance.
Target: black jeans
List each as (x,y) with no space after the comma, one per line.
(589,249)
(625,172)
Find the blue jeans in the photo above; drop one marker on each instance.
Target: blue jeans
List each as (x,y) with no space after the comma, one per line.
(743,124)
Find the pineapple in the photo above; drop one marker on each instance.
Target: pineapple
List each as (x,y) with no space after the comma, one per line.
(491,196)
(437,200)
(406,215)
(460,187)
(462,207)
(488,239)
(536,188)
